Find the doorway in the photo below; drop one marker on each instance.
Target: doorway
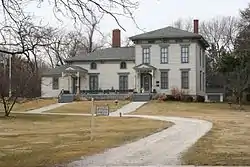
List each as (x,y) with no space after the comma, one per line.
(146,82)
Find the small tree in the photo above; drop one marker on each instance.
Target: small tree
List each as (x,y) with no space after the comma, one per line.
(22,77)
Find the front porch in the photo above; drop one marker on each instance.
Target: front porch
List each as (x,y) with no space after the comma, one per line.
(145,78)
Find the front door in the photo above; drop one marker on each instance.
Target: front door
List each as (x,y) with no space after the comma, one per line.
(146,82)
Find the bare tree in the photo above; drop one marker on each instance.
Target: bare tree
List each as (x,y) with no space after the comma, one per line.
(75,9)
(184,24)
(22,79)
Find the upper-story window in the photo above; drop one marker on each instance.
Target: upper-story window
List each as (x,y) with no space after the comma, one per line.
(164,55)
(185,54)
(146,55)
(123,65)
(93,65)
(201,57)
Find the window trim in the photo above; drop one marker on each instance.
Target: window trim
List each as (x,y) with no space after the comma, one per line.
(188,54)
(125,85)
(143,55)
(188,76)
(123,63)
(166,81)
(91,66)
(53,83)
(165,55)
(93,75)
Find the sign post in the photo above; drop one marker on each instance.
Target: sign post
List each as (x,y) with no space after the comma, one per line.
(92,119)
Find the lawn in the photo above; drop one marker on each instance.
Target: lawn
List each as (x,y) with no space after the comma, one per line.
(85,106)
(42,140)
(226,144)
(30,105)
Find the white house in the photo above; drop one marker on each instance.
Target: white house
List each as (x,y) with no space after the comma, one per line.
(160,60)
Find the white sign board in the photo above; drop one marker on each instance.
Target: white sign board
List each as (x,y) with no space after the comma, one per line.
(102,110)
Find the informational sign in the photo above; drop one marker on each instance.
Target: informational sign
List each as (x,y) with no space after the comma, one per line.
(102,110)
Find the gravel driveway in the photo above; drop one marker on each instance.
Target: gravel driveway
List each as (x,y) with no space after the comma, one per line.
(162,148)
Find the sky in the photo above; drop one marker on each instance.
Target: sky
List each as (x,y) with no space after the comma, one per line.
(154,14)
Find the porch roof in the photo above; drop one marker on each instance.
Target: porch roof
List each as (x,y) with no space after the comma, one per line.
(57,71)
(144,67)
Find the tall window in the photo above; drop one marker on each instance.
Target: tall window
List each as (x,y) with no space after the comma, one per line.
(164,55)
(204,83)
(123,82)
(123,65)
(201,57)
(164,80)
(184,54)
(146,55)
(204,59)
(55,83)
(185,79)
(201,81)
(93,82)
(93,66)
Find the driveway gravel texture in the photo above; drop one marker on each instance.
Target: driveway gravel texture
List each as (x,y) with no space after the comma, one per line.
(162,148)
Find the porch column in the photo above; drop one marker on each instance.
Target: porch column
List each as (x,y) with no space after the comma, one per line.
(138,87)
(77,84)
(69,84)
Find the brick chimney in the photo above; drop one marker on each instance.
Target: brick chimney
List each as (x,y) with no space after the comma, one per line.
(196,26)
(116,38)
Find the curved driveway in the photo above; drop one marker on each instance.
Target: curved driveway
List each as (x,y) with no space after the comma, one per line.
(162,148)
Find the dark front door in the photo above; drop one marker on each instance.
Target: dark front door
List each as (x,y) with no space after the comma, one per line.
(146,82)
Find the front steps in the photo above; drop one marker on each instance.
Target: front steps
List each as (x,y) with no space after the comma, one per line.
(66,98)
(141,97)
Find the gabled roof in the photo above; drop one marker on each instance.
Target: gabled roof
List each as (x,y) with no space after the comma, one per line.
(168,33)
(57,71)
(121,53)
(144,67)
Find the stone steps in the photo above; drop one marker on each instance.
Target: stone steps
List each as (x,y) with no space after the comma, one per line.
(66,98)
(141,97)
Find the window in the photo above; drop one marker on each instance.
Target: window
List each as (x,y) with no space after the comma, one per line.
(93,65)
(146,55)
(204,59)
(123,65)
(164,80)
(93,82)
(123,82)
(164,55)
(201,87)
(184,54)
(201,57)
(184,79)
(55,83)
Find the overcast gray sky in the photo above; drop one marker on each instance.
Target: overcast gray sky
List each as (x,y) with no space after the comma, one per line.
(154,14)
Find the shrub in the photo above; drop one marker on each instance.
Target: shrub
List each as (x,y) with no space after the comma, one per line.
(177,94)
(200,99)
(156,96)
(188,99)
(162,97)
(170,98)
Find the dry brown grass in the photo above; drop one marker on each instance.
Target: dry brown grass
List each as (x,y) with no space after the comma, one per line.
(42,140)
(85,106)
(226,144)
(30,104)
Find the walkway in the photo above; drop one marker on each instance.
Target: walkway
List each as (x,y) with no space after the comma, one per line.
(46,108)
(162,148)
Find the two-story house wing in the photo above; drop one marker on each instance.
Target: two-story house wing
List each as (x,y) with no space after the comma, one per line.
(160,61)
(170,59)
